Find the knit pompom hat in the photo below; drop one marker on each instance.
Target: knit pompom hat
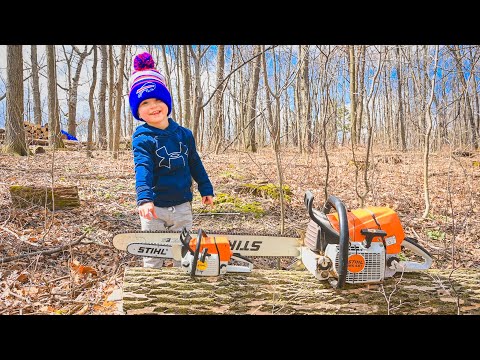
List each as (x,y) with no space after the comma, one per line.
(146,82)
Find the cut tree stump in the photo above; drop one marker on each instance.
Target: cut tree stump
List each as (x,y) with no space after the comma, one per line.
(286,292)
(27,196)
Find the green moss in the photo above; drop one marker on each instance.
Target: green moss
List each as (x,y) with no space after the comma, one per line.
(231,174)
(227,203)
(268,191)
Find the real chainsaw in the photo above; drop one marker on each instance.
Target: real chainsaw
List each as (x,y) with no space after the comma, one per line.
(358,246)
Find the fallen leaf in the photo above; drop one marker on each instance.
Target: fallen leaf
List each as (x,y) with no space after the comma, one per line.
(22,278)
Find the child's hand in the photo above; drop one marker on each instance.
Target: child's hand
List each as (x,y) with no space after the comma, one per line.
(147,211)
(207,200)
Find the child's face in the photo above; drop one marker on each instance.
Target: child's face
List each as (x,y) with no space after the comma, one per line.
(154,112)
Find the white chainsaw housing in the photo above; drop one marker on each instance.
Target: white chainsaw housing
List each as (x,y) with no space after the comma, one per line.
(327,265)
(212,266)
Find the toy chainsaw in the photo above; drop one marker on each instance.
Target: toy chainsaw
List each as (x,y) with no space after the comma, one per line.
(358,246)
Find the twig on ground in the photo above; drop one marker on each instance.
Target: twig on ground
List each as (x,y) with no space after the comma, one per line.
(43,252)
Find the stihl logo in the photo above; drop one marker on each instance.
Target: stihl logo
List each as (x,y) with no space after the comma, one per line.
(149,250)
(240,245)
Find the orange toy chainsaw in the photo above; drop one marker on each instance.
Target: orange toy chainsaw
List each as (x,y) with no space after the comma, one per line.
(358,246)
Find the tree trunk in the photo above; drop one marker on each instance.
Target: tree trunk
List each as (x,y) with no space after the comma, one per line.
(54,133)
(15,132)
(289,292)
(426,151)
(360,85)
(118,103)
(353,113)
(218,129)
(401,119)
(102,123)
(91,119)
(469,114)
(73,91)
(37,110)
(25,197)
(252,100)
(186,87)
(111,94)
(167,76)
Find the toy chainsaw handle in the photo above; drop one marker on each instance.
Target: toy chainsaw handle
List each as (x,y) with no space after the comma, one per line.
(200,234)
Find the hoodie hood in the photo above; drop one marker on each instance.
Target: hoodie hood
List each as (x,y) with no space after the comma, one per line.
(146,129)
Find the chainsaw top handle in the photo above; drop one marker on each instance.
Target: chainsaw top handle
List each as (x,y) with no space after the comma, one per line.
(324,223)
(196,254)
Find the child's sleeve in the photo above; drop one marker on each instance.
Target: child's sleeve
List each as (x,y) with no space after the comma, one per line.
(199,174)
(142,158)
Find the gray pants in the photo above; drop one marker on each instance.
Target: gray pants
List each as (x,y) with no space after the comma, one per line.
(172,218)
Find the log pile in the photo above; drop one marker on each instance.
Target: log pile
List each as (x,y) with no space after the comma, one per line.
(286,292)
(35,132)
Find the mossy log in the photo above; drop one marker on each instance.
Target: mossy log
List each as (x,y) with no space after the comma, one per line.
(285,292)
(27,196)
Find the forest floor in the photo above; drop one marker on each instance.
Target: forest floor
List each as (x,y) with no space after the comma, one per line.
(81,278)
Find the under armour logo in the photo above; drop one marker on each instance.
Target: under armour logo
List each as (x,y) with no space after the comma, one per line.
(145,88)
(164,155)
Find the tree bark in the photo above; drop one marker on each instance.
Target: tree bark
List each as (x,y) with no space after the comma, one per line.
(91,119)
(252,100)
(290,292)
(37,110)
(15,132)
(353,98)
(186,87)
(73,90)
(54,133)
(401,119)
(111,94)
(102,123)
(118,103)
(219,131)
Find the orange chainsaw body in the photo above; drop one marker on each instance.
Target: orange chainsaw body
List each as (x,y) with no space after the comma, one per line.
(363,219)
(214,245)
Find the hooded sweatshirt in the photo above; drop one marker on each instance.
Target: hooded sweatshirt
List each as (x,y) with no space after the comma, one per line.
(165,163)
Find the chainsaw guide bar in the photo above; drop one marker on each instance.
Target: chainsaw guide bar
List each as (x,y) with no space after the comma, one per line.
(265,245)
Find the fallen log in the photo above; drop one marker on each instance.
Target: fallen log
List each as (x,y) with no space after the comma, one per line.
(27,196)
(286,292)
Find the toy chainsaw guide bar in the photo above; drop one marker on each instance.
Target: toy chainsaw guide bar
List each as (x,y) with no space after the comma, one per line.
(363,245)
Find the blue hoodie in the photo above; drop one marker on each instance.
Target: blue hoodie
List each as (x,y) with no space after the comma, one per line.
(165,163)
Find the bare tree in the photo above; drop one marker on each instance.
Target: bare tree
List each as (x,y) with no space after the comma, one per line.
(252,100)
(54,133)
(15,131)
(91,119)
(218,129)
(353,91)
(73,89)
(186,87)
(37,111)
(426,152)
(102,123)
(111,94)
(118,103)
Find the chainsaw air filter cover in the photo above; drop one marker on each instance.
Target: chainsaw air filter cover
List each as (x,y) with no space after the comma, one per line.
(364,265)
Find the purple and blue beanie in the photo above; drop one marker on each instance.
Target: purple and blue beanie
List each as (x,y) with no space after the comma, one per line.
(146,82)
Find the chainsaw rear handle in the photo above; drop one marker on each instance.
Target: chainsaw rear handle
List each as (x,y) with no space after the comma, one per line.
(325,225)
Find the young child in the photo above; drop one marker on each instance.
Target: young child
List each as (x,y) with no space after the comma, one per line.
(165,156)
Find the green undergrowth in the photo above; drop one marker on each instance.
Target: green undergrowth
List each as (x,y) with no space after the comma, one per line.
(224,202)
